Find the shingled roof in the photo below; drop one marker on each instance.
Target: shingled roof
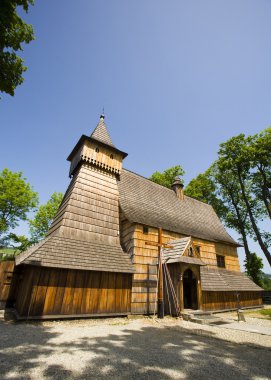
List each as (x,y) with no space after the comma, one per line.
(175,254)
(101,134)
(213,279)
(60,252)
(145,202)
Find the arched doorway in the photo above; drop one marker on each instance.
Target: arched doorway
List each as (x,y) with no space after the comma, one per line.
(190,298)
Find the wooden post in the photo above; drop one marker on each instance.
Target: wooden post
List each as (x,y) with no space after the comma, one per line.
(160,245)
(161,310)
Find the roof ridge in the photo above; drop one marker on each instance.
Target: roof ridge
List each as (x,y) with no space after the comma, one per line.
(186,196)
(148,179)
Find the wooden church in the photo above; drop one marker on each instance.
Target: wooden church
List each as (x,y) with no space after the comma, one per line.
(100,256)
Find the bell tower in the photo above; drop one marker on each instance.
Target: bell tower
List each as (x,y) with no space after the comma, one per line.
(90,208)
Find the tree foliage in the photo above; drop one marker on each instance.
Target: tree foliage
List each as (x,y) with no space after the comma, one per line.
(40,225)
(254,268)
(19,243)
(17,198)
(167,177)
(236,158)
(238,186)
(203,188)
(13,33)
(266,281)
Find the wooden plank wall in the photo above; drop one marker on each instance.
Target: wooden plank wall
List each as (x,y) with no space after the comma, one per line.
(145,258)
(209,250)
(101,158)
(227,300)
(6,276)
(63,292)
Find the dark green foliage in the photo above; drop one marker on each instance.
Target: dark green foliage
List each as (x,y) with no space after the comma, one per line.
(266,281)
(40,225)
(167,177)
(204,189)
(6,254)
(236,158)
(238,186)
(19,243)
(254,268)
(16,199)
(14,32)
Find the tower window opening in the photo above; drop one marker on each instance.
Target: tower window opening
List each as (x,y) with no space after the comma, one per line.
(97,150)
(220,261)
(111,156)
(145,230)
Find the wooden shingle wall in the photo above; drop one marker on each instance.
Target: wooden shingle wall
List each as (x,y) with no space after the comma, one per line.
(145,258)
(209,250)
(90,209)
(126,235)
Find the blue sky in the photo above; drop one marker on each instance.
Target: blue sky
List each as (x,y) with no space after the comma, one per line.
(176,78)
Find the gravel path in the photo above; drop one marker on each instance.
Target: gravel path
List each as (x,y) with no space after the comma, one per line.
(131,349)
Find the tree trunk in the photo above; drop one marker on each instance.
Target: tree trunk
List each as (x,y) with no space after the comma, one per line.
(253,222)
(265,191)
(242,230)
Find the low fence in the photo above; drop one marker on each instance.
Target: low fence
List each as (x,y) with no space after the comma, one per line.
(266,296)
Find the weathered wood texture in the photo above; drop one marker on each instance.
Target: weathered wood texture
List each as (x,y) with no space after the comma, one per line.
(126,235)
(56,292)
(209,250)
(106,157)
(228,300)
(176,271)
(6,285)
(90,209)
(145,259)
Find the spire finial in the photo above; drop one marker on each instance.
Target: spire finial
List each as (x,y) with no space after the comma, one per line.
(102,115)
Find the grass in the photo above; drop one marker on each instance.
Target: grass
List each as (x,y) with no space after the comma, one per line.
(260,313)
(266,312)
(6,254)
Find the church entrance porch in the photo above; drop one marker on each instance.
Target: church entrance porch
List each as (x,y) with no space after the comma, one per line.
(190,296)
(187,286)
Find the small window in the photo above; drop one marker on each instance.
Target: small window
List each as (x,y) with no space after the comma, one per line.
(97,150)
(190,253)
(220,261)
(198,249)
(111,156)
(145,230)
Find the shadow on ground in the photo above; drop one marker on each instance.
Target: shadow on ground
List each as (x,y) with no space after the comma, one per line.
(33,351)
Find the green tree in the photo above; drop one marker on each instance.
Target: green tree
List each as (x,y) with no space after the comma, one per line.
(167,177)
(13,33)
(254,268)
(40,225)
(204,188)
(266,281)
(219,188)
(259,154)
(19,243)
(17,198)
(235,157)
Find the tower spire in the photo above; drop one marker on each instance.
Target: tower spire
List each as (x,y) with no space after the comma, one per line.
(100,133)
